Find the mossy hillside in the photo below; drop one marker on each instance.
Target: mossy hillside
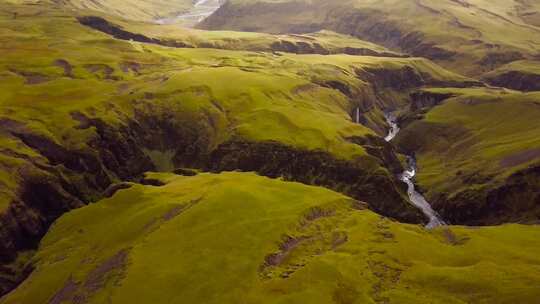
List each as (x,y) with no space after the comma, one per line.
(471,37)
(475,141)
(114,74)
(239,237)
(488,123)
(132,9)
(30,54)
(100,56)
(530,66)
(519,75)
(82,111)
(322,42)
(69,87)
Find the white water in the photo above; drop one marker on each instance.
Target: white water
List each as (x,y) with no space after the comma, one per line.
(394,128)
(201,9)
(416,198)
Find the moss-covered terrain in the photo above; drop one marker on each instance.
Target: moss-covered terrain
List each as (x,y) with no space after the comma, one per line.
(212,239)
(478,153)
(521,75)
(81,110)
(323,42)
(466,137)
(469,36)
(139,10)
(275,182)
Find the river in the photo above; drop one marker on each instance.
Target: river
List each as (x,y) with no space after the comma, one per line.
(200,10)
(416,198)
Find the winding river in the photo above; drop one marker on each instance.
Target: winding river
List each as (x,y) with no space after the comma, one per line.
(416,198)
(201,9)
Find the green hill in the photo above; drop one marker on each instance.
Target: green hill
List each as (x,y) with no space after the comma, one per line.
(212,239)
(130,9)
(272,180)
(81,111)
(518,75)
(468,36)
(478,154)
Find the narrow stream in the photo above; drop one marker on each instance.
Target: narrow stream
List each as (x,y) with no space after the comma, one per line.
(417,199)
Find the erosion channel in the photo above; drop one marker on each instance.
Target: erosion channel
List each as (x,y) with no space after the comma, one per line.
(416,198)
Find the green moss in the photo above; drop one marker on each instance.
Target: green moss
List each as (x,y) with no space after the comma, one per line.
(524,66)
(132,9)
(324,41)
(472,37)
(273,98)
(482,133)
(238,237)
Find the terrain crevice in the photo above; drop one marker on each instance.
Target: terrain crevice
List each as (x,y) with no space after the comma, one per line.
(381,190)
(75,177)
(102,25)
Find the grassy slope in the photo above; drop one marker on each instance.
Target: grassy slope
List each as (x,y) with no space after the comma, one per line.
(280,96)
(477,139)
(133,9)
(274,90)
(518,75)
(328,41)
(493,133)
(322,42)
(457,154)
(520,66)
(209,239)
(473,29)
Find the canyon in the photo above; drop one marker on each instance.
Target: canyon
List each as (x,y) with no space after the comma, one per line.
(264,151)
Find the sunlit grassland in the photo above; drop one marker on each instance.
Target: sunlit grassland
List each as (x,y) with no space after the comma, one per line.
(208,238)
